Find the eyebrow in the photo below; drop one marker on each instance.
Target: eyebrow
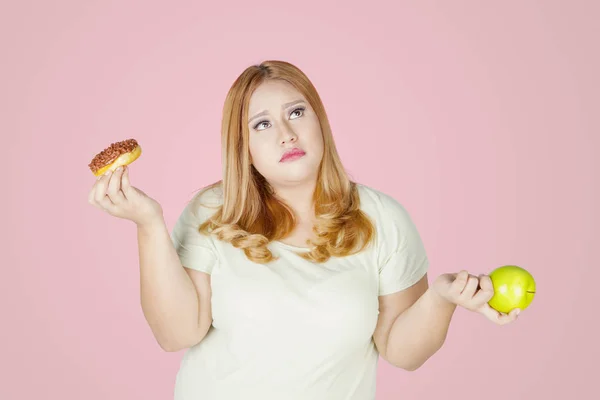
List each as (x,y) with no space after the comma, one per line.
(286,105)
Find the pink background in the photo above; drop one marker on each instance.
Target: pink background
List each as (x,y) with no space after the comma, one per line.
(480,117)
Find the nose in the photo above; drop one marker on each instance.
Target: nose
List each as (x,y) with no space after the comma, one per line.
(287,134)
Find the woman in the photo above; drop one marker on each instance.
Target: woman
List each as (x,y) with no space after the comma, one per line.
(286,280)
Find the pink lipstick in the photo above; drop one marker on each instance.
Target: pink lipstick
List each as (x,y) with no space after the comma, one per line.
(292,155)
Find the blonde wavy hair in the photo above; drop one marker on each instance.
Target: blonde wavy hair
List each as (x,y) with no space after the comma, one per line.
(251,214)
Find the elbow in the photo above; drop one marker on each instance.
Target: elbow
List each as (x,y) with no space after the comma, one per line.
(167,344)
(408,366)
(170,347)
(411,362)
(416,361)
(412,367)
(174,346)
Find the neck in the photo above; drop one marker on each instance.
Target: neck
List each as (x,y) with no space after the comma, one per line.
(299,197)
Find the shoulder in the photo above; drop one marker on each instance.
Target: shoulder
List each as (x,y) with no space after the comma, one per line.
(393,223)
(206,202)
(380,205)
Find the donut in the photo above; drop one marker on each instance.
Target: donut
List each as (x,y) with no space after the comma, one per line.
(114,156)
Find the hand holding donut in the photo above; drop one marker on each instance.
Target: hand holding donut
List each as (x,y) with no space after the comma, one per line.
(113,192)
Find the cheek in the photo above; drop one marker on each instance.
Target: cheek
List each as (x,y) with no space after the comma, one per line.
(316,139)
(259,152)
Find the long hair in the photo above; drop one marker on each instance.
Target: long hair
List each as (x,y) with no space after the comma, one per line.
(251,215)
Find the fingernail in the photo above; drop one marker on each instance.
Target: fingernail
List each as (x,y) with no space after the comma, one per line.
(107,172)
(517,312)
(119,169)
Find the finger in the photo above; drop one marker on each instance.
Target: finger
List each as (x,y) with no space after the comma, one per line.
(101,186)
(126,183)
(491,314)
(93,190)
(485,292)
(470,288)
(504,319)
(486,283)
(107,205)
(459,283)
(498,317)
(114,187)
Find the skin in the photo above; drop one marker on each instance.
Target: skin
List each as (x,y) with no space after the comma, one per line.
(412,324)
(278,130)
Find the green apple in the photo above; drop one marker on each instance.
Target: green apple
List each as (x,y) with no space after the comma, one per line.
(514,287)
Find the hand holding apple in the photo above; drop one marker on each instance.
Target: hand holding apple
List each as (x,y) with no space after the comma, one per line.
(473,293)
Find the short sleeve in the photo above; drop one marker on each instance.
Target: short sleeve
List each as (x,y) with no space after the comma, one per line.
(402,257)
(195,249)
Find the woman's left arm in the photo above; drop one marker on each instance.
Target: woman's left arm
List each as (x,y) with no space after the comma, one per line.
(414,322)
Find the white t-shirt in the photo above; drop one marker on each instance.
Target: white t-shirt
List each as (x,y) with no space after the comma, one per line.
(292,329)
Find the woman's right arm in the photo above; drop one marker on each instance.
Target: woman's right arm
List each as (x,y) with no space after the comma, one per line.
(175,300)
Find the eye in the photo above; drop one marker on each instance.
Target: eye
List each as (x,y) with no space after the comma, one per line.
(259,124)
(299,109)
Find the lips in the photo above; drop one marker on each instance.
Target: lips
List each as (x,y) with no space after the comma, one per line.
(292,154)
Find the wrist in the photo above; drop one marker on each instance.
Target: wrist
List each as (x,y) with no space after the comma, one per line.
(439,300)
(150,223)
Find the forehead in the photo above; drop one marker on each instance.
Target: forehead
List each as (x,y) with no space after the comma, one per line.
(272,94)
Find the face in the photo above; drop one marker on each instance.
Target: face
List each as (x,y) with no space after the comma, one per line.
(286,143)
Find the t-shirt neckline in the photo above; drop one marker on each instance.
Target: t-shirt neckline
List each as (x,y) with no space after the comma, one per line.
(291,247)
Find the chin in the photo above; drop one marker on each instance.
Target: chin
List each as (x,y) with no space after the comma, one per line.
(295,177)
